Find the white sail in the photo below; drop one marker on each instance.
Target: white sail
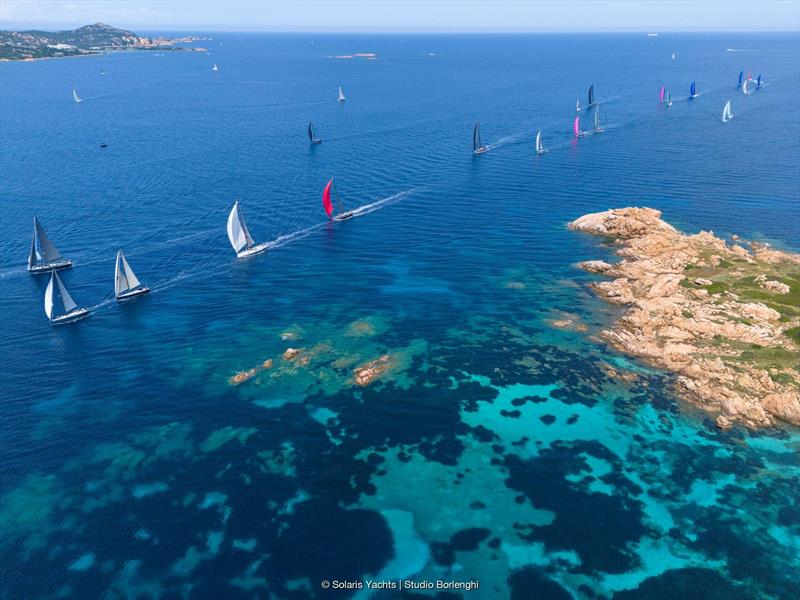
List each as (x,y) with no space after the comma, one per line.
(124,277)
(215,68)
(539,147)
(727,115)
(578,105)
(66,299)
(237,230)
(597,119)
(75,95)
(744,87)
(48,298)
(341,95)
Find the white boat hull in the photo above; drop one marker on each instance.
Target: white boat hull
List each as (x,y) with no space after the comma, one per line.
(481,150)
(47,267)
(344,216)
(131,294)
(71,317)
(542,151)
(316,141)
(257,249)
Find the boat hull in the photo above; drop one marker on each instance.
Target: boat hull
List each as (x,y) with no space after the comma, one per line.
(131,294)
(258,249)
(47,267)
(543,151)
(316,141)
(481,150)
(344,216)
(71,317)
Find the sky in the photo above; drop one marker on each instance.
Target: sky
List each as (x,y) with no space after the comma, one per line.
(406,15)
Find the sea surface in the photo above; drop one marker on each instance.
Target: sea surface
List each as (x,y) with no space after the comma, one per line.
(495,448)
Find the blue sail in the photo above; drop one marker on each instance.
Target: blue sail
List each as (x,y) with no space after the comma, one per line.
(741,74)
(758,81)
(692,90)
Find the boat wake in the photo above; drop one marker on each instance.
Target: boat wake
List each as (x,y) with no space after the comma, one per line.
(509,139)
(378,204)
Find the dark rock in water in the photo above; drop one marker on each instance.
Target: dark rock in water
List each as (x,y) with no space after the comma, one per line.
(688,584)
(572,419)
(443,553)
(530,583)
(512,414)
(469,539)
(547,419)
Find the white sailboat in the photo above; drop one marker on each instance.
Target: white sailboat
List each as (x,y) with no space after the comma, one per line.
(240,237)
(540,149)
(75,95)
(126,284)
(744,87)
(59,306)
(727,115)
(341,95)
(44,255)
(597,127)
(578,105)
(215,67)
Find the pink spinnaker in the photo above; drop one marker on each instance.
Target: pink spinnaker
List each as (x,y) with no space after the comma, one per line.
(661,95)
(326,199)
(576,127)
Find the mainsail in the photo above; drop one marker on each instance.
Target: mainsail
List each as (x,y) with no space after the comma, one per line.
(744,87)
(693,90)
(741,76)
(591,95)
(597,119)
(124,277)
(476,137)
(326,199)
(75,95)
(539,147)
(65,299)
(758,81)
(42,249)
(341,95)
(311,131)
(237,230)
(727,115)
(578,105)
(661,95)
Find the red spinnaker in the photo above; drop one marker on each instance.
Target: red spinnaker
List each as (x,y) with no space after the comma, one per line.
(326,199)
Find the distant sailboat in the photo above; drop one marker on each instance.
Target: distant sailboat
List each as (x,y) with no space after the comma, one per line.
(126,284)
(102,71)
(576,127)
(741,76)
(341,95)
(477,145)
(540,149)
(693,90)
(661,95)
(59,306)
(597,127)
(215,67)
(578,105)
(758,82)
(327,203)
(312,136)
(591,96)
(727,115)
(673,56)
(44,256)
(745,89)
(669,99)
(75,95)
(240,237)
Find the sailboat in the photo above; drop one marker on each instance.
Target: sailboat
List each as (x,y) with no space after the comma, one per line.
(312,136)
(661,95)
(102,71)
(240,237)
(669,99)
(477,146)
(57,296)
(578,105)
(327,203)
(75,95)
(758,82)
(741,76)
(576,127)
(727,115)
(744,87)
(126,284)
(215,67)
(341,95)
(693,90)
(44,256)
(673,56)
(540,149)
(597,128)
(591,96)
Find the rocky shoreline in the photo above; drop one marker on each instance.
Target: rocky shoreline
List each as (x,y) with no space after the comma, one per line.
(724,317)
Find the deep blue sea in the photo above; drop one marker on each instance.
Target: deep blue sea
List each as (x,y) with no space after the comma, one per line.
(495,448)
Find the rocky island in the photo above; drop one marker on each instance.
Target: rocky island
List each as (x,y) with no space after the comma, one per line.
(723,316)
(87,40)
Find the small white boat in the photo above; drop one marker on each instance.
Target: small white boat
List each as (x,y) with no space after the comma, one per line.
(727,115)
(341,95)
(240,237)
(597,127)
(44,256)
(57,296)
(673,56)
(745,89)
(668,99)
(578,105)
(540,149)
(215,67)
(477,145)
(75,96)
(126,284)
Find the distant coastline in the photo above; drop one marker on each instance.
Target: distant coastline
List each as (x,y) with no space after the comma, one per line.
(89,40)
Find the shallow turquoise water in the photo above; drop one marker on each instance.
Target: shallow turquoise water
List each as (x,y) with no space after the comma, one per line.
(496,448)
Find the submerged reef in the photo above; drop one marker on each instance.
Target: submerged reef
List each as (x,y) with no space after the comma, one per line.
(724,317)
